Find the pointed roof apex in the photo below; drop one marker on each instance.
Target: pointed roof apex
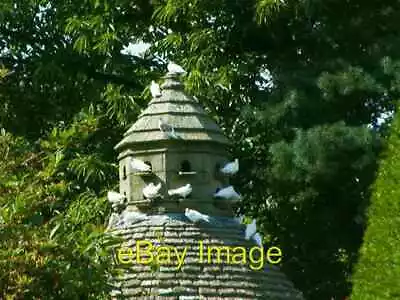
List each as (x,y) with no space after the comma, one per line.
(172,82)
(178,109)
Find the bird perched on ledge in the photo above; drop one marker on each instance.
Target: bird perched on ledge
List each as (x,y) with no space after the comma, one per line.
(251,233)
(228,193)
(195,216)
(231,168)
(118,203)
(130,217)
(155,89)
(116,199)
(151,191)
(258,239)
(139,166)
(182,191)
(175,69)
(251,230)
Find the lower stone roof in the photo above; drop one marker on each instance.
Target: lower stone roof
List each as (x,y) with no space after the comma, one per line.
(195,279)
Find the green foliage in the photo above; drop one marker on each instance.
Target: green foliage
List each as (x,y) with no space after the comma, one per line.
(318,178)
(61,62)
(55,248)
(3,72)
(267,9)
(65,105)
(377,272)
(307,159)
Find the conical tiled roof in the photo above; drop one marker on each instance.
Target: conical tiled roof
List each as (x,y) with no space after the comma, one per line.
(178,109)
(196,280)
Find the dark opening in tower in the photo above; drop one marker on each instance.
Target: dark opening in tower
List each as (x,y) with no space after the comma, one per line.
(185,166)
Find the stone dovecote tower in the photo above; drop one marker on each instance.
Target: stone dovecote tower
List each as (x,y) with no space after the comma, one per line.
(196,158)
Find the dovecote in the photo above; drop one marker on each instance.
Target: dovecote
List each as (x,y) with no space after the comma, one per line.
(193,158)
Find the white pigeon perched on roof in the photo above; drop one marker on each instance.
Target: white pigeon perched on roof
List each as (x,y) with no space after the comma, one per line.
(231,167)
(167,129)
(182,191)
(258,239)
(227,193)
(151,190)
(251,230)
(195,216)
(155,89)
(130,217)
(115,198)
(175,69)
(138,165)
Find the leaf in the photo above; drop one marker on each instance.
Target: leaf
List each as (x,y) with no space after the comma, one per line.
(265,10)
(81,44)
(54,230)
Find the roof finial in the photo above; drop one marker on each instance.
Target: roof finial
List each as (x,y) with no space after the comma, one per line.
(175,69)
(172,82)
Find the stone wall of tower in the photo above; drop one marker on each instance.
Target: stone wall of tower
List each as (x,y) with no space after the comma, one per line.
(175,165)
(192,158)
(133,183)
(202,160)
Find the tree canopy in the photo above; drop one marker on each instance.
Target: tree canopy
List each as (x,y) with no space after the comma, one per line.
(299,86)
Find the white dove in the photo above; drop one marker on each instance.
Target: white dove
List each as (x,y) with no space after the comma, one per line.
(151,191)
(139,166)
(155,89)
(227,193)
(258,239)
(195,216)
(251,230)
(175,69)
(167,129)
(115,198)
(130,217)
(231,167)
(182,191)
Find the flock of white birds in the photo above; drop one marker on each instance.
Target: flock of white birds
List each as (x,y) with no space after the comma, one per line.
(152,191)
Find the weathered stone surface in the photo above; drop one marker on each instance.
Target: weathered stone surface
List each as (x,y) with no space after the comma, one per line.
(179,109)
(202,280)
